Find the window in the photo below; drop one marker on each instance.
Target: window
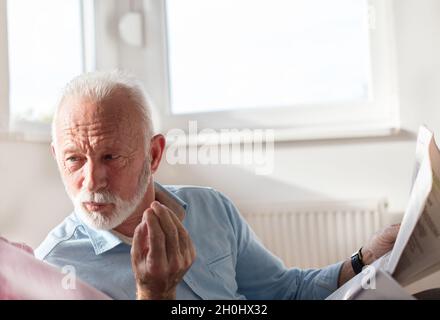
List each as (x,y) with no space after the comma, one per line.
(49,42)
(299,66)
(306,68)
(263,54)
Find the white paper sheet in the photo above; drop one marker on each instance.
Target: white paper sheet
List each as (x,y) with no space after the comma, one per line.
(416,252)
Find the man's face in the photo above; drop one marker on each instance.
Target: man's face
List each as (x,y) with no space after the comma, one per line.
(102,156)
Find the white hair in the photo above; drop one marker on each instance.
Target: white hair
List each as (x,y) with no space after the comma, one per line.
(99,86)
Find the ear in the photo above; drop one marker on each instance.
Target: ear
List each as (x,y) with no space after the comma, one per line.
(157,147)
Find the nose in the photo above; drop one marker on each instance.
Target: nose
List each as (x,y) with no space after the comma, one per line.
(95,176)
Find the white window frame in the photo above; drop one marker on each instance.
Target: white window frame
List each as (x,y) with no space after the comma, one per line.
(89,55)
(300,122)
(4,67)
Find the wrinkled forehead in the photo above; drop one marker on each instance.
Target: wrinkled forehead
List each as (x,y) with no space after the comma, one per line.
(108,122)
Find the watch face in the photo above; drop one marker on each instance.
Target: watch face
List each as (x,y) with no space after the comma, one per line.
(356,263)
(358,254)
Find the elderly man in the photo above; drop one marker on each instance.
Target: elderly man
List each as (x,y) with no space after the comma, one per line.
(131,238)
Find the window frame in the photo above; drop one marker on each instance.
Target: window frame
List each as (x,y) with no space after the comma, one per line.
(153,67)
(36,131)
(304,122)
(4,65)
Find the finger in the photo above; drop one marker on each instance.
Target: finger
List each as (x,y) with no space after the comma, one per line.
(183,234)
(156,240)
(170,230)
(187,248)
(391,232)
(175,207)
(174,217)
(139,245)
(190,252)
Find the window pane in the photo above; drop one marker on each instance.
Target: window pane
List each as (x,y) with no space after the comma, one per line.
(45,51)
(229,54)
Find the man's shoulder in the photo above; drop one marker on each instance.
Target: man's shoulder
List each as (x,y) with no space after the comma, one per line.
(188,193)
(63,232)
(209,201)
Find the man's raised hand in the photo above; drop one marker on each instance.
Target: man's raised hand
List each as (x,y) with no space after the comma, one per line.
(161,253)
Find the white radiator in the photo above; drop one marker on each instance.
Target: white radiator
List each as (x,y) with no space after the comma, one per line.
(309,235)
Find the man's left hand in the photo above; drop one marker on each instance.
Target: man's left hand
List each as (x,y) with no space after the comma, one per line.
(380,243)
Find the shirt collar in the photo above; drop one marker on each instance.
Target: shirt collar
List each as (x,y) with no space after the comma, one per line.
(170,200)
(103,240)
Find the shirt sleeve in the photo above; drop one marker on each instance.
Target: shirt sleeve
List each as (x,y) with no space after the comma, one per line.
(262,275)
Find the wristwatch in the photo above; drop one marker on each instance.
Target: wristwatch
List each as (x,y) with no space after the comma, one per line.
(356,261)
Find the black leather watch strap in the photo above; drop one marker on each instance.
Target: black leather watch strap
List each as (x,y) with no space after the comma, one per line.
(356,261)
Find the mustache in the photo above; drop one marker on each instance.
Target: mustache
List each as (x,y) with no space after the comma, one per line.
(97,197)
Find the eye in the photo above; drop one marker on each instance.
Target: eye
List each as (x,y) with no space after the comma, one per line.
(72,159)
(72,163)
(109,157)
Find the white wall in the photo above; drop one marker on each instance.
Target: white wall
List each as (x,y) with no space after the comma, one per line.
(33,199)
(32,196)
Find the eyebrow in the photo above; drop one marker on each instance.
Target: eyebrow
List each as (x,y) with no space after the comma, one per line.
(70,150)
(68,146)
(74,149)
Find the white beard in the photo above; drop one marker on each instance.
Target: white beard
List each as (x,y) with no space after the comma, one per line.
(122,208)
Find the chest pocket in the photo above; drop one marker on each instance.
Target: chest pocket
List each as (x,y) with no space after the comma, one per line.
(222,269)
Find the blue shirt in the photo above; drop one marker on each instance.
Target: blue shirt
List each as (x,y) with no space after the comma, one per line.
(231,262)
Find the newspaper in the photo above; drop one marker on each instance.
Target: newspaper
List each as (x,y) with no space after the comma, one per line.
(416,253)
